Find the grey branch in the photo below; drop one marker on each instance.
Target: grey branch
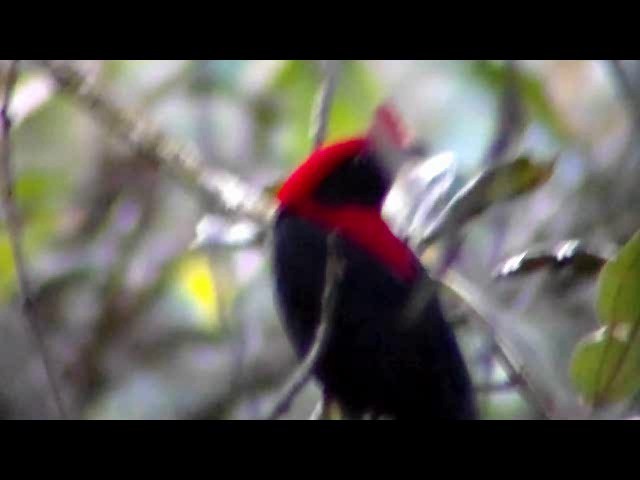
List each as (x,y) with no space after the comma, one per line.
(319,123)
(629,91)
(221,191)
(300,377)
(516,373)
(511,121)
(320,115)
(13,223)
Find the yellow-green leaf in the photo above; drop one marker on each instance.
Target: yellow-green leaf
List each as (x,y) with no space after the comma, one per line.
(606,367)
(619,286)
(498,184)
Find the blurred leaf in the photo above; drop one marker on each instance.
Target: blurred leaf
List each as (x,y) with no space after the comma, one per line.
(606,365)
(216,75)
(569,254)
(606,369)
(357,96)
(7,275)
(37,191)
(197,284)
(31,94)
(497,184)
(418,193)
(619,286)
(494,74)
(297,84)
(37,194)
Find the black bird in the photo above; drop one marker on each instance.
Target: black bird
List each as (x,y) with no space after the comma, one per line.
(390,351)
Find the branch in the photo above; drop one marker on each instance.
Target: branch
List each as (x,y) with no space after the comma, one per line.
(628,91)
(320,116)
(511,120)
(319,123)
(516,373)
(510,129)
(302,374)
(13,223)
(221,191)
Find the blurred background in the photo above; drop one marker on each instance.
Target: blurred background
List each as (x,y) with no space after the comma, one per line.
(141,326)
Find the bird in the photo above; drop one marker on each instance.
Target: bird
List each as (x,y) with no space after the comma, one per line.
(390,352)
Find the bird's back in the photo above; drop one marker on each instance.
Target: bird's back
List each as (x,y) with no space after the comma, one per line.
(378,359)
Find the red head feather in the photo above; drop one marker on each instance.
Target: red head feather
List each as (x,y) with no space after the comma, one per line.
(308,176)
(363,225)
(389,127)
(387,131)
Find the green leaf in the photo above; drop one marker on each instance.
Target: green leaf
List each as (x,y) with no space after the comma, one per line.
(294,88)
(619,286)
(498,184)
(605,368)
(40,191)
(606,364)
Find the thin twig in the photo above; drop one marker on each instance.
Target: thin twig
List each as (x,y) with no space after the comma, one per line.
(13,223)
(319,122)
(221,191)
(507,137)
(515,370)
(628,91)
(320,117)
(511,121)
(302,374)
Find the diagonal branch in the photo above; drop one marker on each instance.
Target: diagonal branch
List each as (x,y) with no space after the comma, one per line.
(221,191)
(319,121)
(320,116)
(302,374)
(13,223)
(516,372)
(511,121)
(628,91)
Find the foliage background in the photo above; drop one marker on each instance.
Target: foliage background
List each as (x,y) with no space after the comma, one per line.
(140,326)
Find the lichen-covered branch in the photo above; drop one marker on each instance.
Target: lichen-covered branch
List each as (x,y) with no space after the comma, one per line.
(221,191)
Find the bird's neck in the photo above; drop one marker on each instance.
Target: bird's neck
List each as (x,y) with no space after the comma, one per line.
(365,227)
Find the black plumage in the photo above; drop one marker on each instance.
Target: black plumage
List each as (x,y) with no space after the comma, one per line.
(379,358)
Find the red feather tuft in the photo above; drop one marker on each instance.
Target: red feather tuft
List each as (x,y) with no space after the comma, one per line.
(387,121)
(362,225)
